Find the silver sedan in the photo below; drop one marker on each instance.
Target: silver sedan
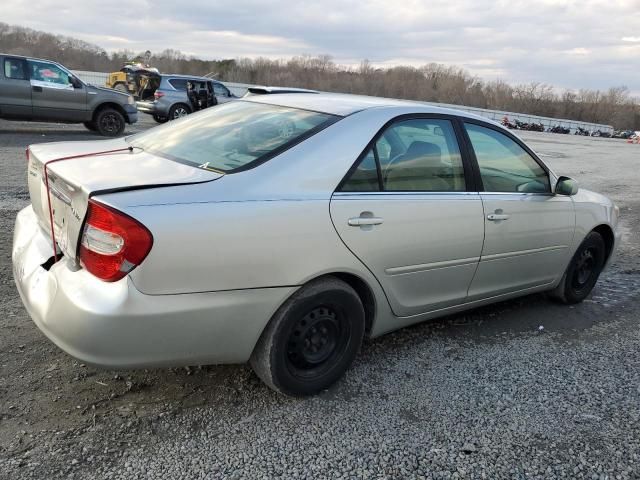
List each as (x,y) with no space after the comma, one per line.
(284,229)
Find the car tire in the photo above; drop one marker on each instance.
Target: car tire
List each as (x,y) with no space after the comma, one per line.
(90,126)
(583,271)
(160,119)
(109,122)
(178,110)
(312,339)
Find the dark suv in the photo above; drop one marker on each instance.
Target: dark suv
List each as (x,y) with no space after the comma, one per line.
(171,99)
(42,90)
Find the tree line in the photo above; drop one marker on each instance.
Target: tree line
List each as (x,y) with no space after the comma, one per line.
(431,82)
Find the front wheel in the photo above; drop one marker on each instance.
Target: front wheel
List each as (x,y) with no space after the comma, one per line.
(159,118)
(109,122)
(583,271)
(312,339)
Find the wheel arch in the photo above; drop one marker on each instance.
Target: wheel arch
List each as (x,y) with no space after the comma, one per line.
(606,232)
(363,290)
(112,105)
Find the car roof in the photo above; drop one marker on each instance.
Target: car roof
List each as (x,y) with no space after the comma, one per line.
(264,90)
(169,76)
(346,104)
(27,57)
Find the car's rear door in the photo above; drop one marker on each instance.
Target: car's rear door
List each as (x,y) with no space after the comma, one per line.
(408,210)
(528,229)
(54,97)
(15,89)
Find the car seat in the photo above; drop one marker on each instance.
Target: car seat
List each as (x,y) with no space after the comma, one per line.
(419,169)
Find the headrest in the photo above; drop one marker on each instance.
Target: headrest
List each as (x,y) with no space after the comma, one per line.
(421,149)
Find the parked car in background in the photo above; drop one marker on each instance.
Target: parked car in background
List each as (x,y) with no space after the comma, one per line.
(45,91)
(171,99)
(261,90)
(283,229)
(623,134)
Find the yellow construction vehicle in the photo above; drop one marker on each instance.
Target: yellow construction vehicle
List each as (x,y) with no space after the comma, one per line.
(134,78)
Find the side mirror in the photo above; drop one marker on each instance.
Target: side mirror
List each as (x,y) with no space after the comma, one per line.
(75,82)
(566,186)
(438,131)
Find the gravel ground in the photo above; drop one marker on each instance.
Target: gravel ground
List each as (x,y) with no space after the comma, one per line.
(485,394)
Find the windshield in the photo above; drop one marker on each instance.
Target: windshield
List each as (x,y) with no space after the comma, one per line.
(233,136)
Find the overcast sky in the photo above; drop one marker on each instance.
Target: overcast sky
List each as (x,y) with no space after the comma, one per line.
(586,43)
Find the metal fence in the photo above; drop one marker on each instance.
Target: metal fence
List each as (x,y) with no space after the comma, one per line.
(100,79)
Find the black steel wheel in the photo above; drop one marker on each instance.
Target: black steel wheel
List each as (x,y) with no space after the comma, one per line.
(315,339)
(312,339)
(109,122)
(583,270)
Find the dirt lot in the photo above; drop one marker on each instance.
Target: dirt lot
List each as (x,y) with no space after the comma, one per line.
(485,394)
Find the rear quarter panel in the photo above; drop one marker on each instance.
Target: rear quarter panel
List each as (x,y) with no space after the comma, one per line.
(239,245)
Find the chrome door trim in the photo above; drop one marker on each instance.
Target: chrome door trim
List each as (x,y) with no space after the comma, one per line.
(528,194)
(359,195)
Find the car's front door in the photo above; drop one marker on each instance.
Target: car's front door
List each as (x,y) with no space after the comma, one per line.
(528,229)
(407,211)
(15,89)
(222,93)
(53,94)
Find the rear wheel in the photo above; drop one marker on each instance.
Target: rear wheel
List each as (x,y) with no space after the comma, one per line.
(583,271)
(312,339)
(109,122)
(90,126)
(159,118)
(178,110)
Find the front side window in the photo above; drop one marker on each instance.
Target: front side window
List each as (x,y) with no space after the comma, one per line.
(231,136)
(413,155)
(14,69)
(220,90)
(48,74)
(504,165)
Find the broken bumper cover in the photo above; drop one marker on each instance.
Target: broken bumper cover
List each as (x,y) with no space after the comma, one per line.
(115,325)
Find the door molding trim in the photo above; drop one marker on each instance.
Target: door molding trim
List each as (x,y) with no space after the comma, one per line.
(431,266)
(518,253)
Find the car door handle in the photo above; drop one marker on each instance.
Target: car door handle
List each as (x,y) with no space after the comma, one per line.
(35,88)
(364,221)
(496,217)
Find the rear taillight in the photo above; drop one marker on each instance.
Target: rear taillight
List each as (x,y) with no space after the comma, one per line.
(112,243)
(27,152)
(158,95)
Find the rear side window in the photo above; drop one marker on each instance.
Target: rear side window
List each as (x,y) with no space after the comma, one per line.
(233,136)
(504,165)
(417,155)
(14,69)
(365,177)
(178,83)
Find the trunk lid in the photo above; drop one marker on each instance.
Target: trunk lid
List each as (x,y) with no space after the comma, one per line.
(73,181)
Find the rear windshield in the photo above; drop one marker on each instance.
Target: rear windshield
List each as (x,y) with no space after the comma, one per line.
(233,136)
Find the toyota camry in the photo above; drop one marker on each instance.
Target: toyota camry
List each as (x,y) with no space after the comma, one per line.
(282,230)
